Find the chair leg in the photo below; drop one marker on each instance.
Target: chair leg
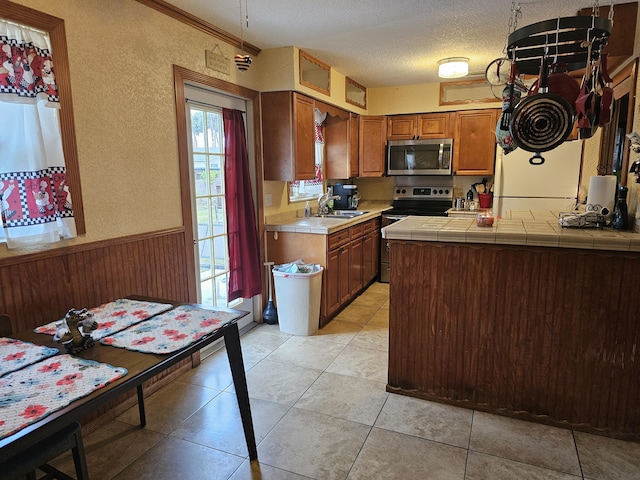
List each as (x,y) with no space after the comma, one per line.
(53,473)
(79,460)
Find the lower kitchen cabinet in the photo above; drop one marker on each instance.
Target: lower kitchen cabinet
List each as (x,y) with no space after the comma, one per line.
(349,258)
(356,260)
(352,263)
(371,250)
(335,283)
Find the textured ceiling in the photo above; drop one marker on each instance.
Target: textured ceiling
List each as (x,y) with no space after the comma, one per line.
(382,43)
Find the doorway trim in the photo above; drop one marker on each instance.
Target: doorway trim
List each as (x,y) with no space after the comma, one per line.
(181,76)
(624,83)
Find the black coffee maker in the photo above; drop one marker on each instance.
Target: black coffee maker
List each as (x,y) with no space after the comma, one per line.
(348,196)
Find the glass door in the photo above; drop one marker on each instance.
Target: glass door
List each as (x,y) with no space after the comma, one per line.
(212,257)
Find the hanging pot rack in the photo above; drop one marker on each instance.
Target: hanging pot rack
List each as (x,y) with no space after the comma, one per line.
(564,39)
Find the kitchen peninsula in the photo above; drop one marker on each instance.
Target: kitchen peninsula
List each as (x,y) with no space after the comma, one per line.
(524,318)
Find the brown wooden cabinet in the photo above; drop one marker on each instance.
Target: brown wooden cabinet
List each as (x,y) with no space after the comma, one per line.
(373,138)
(349,257)
(354,145)
(336,279)
(288,136)
(434,125)
(341,143)
(352,263)
(474,146)
(371,250)
(426,125)
(402,127)
(356,259)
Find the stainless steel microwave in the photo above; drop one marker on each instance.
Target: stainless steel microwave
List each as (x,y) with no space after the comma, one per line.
(419,157)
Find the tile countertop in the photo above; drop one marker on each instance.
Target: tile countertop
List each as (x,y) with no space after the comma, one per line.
(535,228)
(323,225)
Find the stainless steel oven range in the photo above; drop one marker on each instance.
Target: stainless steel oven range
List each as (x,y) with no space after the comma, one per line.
(423,200)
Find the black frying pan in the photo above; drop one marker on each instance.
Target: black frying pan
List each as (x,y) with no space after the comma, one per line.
(543,120)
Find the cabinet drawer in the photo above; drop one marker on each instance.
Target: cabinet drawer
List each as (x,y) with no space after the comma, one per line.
(371,225)
(337,239)
(356,231)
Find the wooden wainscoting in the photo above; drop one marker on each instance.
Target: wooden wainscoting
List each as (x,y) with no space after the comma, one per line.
(41,287)
(543,334)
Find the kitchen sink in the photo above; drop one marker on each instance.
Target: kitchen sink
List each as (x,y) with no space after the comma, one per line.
(343,214)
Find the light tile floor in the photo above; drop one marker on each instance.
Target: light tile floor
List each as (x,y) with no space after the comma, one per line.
(320,411)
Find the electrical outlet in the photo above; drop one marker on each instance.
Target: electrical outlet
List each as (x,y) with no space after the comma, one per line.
(268,199)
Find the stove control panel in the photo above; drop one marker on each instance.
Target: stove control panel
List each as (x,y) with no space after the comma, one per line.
(418,193)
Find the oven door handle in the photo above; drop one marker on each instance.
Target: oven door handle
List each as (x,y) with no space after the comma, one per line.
(395,218)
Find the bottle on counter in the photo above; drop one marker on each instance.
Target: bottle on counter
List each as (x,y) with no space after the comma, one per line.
(620,213)
(307,210)
(470,195)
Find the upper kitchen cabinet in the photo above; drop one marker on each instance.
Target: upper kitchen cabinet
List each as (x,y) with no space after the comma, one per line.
(288,136)
(427,125)
(474,145)
(373,138)
(354,145)
(434,125)
(402,127)
(341,142)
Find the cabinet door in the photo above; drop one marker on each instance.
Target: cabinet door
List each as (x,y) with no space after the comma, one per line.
(287,136)
(372,143)
(371,252)
(401,127)
(336,278)
(356,266)
(375,259)
(368,256)
(343,272)
(474,146)
(434,125)
(354,145)
(304,137)
(341,143)
(332,281)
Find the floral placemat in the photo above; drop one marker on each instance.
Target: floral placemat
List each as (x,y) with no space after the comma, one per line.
(40,389)
(15,354)
(115,316)
(171,330)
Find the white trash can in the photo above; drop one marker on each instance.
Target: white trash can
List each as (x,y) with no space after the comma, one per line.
(298,297)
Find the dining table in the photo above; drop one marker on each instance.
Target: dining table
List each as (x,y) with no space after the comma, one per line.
(122,359)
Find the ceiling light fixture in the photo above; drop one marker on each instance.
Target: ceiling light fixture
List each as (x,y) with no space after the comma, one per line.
(454,67)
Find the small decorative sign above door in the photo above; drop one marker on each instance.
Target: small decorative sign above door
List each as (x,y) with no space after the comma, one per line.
(216,60)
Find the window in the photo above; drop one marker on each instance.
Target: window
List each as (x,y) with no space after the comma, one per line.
(207,141)
(55,29)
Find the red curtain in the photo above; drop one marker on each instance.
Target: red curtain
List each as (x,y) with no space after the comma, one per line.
(245,279)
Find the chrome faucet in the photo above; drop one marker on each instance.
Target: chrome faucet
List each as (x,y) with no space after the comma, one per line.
(323,199)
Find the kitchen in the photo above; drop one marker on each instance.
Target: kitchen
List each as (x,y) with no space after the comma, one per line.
(108,234)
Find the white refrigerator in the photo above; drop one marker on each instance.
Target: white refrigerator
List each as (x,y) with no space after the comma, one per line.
(518,185)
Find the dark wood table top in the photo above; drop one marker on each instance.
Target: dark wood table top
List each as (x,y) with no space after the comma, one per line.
(140,366)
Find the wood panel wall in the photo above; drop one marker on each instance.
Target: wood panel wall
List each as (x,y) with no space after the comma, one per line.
(42,287)
(545,334)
